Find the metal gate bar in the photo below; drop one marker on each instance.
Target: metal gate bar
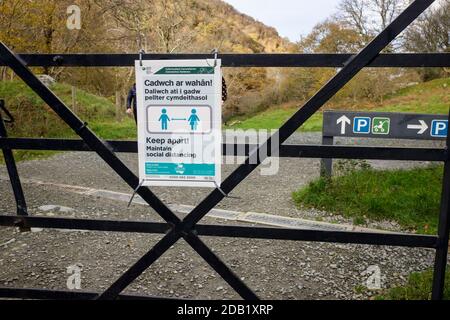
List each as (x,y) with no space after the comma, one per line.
(331,60)
(11,167)
(372,238)
(186,228)
(440,261)
(285,151)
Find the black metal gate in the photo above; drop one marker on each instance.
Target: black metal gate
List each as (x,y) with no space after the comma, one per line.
(188,228)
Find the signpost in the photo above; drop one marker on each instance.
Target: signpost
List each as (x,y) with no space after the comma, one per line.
(387,125)
(179,122)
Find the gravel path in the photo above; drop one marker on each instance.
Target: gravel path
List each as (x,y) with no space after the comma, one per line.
(275,269)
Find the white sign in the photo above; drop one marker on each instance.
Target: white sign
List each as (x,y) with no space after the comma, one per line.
(179,112)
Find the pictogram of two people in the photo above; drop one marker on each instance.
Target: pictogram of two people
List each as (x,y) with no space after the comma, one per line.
(193,119)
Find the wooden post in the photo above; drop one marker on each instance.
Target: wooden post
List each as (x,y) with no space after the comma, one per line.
(3,73)
(74,101)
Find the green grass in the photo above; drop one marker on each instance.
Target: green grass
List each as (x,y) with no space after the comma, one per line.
(418,287)
(429,97)
(410,197)
(35,119)
(115,130)
(16,93)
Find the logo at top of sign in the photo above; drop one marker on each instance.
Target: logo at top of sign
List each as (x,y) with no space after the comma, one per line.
(361,125)
(439,128)
(381,125)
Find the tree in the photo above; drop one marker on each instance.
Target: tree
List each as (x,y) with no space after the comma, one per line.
(430,33)
(369,17)
(332,36)
(171,25)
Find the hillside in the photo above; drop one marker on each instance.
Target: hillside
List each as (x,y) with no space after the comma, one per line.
(188,26)
(126,26)
(248,29)
(428,97)
(33,118)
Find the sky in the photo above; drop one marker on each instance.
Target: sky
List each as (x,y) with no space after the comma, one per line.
(291,18)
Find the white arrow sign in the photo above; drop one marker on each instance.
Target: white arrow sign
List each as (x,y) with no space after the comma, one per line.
(422,127)
(343,120)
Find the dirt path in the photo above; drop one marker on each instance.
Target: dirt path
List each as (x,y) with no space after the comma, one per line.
(276,269)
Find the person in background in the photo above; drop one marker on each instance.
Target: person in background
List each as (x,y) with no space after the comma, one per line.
(131,98)
(131,102)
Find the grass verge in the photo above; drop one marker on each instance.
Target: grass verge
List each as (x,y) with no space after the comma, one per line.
(409,197)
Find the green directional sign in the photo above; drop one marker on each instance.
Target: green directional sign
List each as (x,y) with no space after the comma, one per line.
(381,125)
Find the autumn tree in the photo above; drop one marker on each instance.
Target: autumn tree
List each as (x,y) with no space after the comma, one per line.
(370,17)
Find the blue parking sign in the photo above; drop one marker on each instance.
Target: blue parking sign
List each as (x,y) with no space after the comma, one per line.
(361,125)
(439,128)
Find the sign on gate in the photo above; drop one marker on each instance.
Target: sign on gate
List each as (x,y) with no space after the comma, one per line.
(385,125)
(179,107)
